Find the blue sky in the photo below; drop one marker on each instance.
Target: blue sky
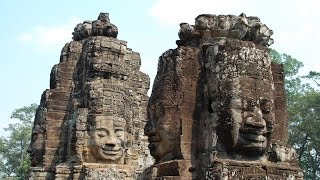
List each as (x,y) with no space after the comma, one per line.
(33,33)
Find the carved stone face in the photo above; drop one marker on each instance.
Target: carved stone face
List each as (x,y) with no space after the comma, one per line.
(163,131)
(36,146)
(108,138)
(251,115)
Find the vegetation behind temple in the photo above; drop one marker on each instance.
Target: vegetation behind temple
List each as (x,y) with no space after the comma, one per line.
(14,159)
(303,104)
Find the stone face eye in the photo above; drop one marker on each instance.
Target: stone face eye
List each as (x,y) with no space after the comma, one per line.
(119,132)
(249,104)
(102,133)
(265,106)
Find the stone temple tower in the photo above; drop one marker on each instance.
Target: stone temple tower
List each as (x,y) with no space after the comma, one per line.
(89,124)
(217,108)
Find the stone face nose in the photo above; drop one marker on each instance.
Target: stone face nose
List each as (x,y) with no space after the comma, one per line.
(111,141)
(149,129)
(254,119)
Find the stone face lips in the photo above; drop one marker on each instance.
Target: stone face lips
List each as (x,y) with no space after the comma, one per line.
(90,122)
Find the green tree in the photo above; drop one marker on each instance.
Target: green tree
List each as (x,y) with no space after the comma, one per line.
(303,104)
(14,159)
(315,76)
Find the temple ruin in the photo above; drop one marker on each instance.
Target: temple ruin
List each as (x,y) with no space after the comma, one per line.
(217,108)
(220,103)
(89,124)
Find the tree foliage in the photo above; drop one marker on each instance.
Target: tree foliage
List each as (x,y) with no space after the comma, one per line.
(14,159)
(303,104)
(315,76)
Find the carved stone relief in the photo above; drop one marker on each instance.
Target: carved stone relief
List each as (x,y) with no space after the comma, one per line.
(217,108)
(38,136)
(95,112)
(99,27)
(240,93)
(236,105)
(163,126)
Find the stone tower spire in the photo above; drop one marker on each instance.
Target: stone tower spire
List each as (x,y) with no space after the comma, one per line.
(90,122)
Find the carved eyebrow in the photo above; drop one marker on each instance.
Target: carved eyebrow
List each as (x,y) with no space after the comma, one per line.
(119,124)
(119,127)
(101,129)
(245,98)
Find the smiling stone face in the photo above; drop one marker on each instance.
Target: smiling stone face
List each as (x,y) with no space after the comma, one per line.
(251,117)
(163,131)
(241,96)
(35,148)
(107,140)
(164,125)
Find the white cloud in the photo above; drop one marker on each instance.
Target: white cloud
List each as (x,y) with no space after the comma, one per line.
(294,22)
(175,12)
(305,9)
(52,35)
(25,37)
(49,36)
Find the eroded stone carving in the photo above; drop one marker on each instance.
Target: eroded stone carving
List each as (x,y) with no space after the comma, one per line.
(36,147)
(237,27)
(170,113)
(242,115)
(105,174)
(164,128)
(235,105)
(241,96)
(107,137)
(99,27)
(217,108)
(95,110)
(55,77)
